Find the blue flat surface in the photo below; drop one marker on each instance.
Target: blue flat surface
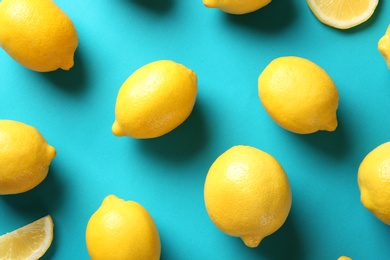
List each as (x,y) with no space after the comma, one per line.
(74,110)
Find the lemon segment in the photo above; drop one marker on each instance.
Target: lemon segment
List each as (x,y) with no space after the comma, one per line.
(236,6)
(122,230)
(247,194)
(154,100)
(299,95)
(37,34)
(374,182)
(25,157)
(342,14)
(29,242)
(384,46)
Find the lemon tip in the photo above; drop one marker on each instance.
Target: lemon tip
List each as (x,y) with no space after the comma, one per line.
(117,129)
(251,241)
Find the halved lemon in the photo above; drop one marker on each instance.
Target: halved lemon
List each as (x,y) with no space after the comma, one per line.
(342,14)
(29,242)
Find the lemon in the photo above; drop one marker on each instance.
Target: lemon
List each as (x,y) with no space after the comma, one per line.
(384,46)
(342,14)
(247,194)
(122,230)
(37,34)
(154,100)
(299,95)
(344,258)
(29,242)
(374,182)
(236,6)
(25,157)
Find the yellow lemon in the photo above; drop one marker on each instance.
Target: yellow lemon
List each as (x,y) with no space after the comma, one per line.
(29,242)
(344,258)
(122,230)
(37,34)
(374,182)
(247,194)
(236,6)
(154,100)
(25,157)
(384,46)
(299,95)
(342,14)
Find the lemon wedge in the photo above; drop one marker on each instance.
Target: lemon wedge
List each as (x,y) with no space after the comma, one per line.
(29,242)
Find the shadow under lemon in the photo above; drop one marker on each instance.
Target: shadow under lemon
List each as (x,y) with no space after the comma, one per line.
(265,19)
(157,6)
(74,80)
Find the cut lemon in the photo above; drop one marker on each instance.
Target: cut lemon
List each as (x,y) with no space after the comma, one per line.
(29,242)
(342,14)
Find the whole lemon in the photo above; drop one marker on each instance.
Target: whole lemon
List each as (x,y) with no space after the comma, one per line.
(37,34)
(299,95)
(236,6)
(374,182)
(25,157)
(122,230)
(247,194)
(154,100)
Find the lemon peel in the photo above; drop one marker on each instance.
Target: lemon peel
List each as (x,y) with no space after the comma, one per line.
(25,157)
(122,230)
(37,34)
(154,100)
(247,194)
(299,95)
(374,182)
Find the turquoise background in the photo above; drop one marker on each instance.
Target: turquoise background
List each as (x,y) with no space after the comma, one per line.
(74,110)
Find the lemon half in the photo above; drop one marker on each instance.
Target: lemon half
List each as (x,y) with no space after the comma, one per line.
(342,14)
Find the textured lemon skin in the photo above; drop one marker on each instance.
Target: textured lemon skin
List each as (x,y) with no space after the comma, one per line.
(247,194)
(342,14)
(236,6)
(384,46)
(37,34)
(374,182)
(25,157)
(299,95)
(122,230)
(154,100)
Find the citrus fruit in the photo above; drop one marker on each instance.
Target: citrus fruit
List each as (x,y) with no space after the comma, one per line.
(37,34)
(122,230)
(299,95)
(247,194)
(344,258)
(236,6)
(154,100)
(384,46)
(374,182)
(29,242)
(25,157)
(342,14)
